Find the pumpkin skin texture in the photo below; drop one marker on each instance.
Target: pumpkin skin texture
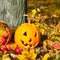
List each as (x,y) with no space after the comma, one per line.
(27,36)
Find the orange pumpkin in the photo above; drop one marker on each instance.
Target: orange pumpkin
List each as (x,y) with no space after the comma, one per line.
(27,36)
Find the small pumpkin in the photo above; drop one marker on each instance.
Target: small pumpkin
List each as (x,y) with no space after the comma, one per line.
(27,36)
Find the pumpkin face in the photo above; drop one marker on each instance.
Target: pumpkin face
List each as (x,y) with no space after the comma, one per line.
(27,36)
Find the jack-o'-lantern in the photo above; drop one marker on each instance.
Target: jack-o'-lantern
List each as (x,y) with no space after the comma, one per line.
(27,36)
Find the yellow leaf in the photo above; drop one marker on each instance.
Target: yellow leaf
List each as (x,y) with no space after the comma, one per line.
(42,31)
(46,56)
(34,11)
(38,9)
(21,57)
(26,55)
(33,54)
(52,32)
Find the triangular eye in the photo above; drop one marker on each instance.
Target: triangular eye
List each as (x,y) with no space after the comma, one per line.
(25,34)
(35,34)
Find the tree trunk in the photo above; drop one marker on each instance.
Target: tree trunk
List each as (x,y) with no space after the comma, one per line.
(11,11)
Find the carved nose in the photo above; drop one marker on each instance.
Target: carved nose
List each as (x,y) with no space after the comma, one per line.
(30,40)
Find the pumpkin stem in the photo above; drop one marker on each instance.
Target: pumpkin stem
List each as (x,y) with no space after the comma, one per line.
(29,21)
(28,18)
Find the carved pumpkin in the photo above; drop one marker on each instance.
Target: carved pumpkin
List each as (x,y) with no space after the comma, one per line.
(27,36)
